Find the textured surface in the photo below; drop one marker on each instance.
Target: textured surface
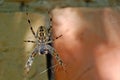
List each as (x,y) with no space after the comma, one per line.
(14,52)
(43,5)
(90,43)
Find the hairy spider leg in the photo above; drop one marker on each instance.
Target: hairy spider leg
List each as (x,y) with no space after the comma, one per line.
(50,31)
(29,41)
(53,52)
(57,37)
(29,21)
(30,60)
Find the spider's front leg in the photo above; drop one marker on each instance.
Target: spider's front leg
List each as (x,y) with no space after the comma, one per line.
(30,60)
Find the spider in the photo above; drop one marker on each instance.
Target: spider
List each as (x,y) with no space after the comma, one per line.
(42,42)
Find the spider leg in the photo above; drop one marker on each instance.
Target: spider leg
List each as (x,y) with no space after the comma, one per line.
(55,54)
(50,30)
(33,32)
(29,41)
(30,60)
(50,41)
(57,37)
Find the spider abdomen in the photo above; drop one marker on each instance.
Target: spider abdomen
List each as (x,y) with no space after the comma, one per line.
(44,50)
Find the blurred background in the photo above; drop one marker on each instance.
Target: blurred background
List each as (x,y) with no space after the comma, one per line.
(14,29)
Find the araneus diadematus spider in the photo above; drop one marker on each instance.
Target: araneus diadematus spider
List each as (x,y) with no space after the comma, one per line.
(42,40)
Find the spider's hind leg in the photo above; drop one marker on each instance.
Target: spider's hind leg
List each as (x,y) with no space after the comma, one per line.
(30,61)
(54,53)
